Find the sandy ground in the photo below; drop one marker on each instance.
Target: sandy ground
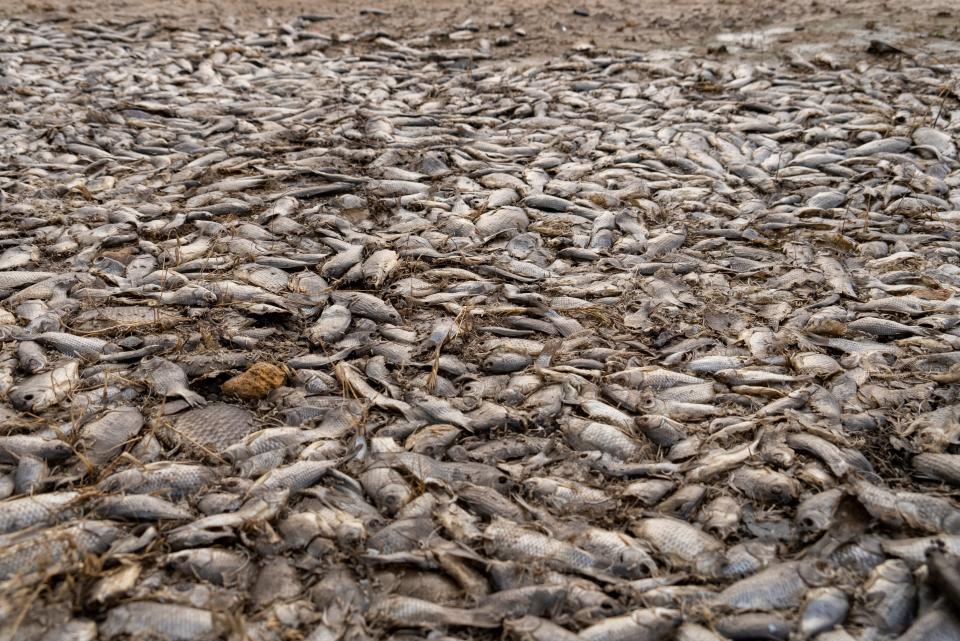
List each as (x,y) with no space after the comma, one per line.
(545,28)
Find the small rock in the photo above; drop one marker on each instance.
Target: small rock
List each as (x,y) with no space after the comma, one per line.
(259,380)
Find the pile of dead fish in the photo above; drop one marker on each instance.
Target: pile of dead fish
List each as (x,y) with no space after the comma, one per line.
(399,343)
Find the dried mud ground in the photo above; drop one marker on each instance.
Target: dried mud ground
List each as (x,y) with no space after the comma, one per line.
(537,29)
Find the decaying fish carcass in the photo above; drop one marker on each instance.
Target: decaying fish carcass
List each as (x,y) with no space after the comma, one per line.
(412,343)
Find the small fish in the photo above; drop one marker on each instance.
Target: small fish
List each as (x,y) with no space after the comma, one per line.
(651,624)
(220,567)
(890,596)
(823,609)
(168,379)
(105,437)
(682,543)
(41,391)
(140,507)
(531,628)
(176,480)
(778,587)
(510,541)
(939,467)
(31,356)
(48,508)
(164,620)
(400,611)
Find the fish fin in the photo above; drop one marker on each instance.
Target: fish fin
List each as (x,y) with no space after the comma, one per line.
(192,398)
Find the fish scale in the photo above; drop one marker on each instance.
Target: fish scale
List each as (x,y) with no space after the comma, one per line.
(213,428)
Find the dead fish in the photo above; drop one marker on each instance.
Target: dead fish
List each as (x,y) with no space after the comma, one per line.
(140,507)
(220,567)
(648,624)
(399,611)
(20,513)
(168,379)
(823,609)
(165,620)
(34,556)
(682,543)
(175,480)
(105,437)
(531,628)
(510,541)
(939,467)
(13,448)
(778,587)
(41,391)
(31,356)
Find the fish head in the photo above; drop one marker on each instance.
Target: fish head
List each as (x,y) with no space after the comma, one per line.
(32,396)
(393,497)
(351,534)
(933,439)
(635,564)
(657,618)
(105,533)
(951,524)
(815,573)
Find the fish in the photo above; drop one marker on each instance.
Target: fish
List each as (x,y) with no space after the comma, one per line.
(140,507)
(510,541)
(937,466)
(647,624)
(41,391)
(890,597)
(176,480)
(823,609)
(531,628)
(220,567)
(681,543)
(17,446)
(47,508)
(102,439)
(778,587)
(31,356)
(171,621)
(30,557)
(168,379)
(399,611)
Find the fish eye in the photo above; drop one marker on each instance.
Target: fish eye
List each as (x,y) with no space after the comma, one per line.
(28,397)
